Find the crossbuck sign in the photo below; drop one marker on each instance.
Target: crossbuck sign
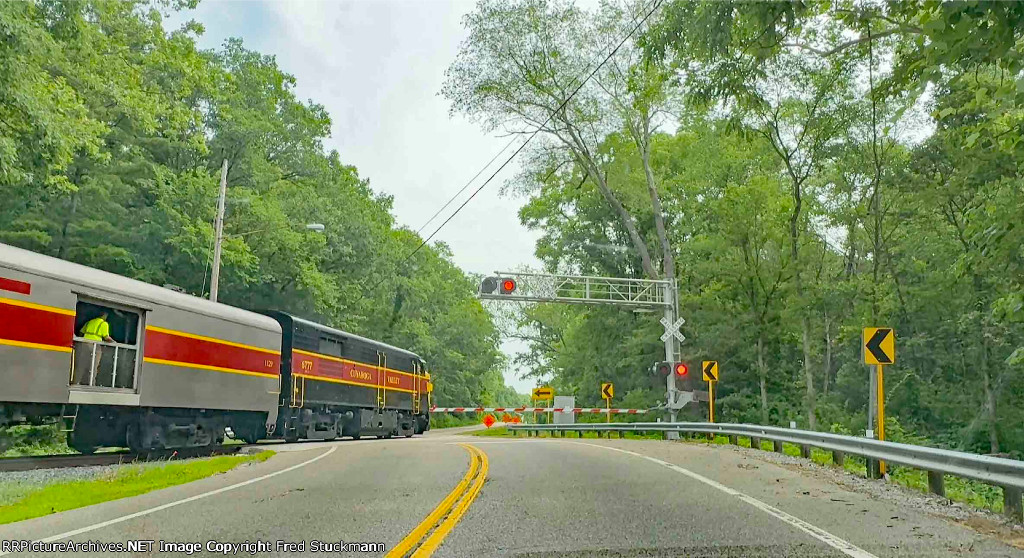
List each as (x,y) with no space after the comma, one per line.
(672,329)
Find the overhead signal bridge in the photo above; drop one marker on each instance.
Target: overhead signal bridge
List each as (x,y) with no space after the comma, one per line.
(651,294)
(575,289)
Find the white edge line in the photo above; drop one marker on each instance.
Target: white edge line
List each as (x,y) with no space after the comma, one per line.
(131,516)
(816,532)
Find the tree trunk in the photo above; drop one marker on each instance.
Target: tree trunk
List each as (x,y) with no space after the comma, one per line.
(812,420)
(805,322)
(826,366)
(62,248)
(624,217)
(668,261)
(990,396)
(762,373)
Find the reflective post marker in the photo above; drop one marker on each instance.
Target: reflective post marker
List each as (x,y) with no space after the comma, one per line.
(880,396)
(711,402)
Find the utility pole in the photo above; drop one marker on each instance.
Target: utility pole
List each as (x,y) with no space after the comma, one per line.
(219,233)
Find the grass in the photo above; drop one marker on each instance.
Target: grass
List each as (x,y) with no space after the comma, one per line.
(448,420)
(126,481)
(26,440)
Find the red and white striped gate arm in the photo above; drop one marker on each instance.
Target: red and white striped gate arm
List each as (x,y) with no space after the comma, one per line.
(576,410)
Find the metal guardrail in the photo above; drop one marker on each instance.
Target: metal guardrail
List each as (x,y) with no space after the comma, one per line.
(1007,474)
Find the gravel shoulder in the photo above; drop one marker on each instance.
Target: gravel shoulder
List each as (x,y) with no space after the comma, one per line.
(983,521)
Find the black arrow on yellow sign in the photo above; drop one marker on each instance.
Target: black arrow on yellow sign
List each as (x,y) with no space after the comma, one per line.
(710,370)
(607,390)
(874,345)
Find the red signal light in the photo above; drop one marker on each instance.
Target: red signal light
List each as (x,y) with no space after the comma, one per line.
(681,369)
(508,286)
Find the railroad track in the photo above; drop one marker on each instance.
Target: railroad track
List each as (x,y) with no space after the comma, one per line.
(11,464)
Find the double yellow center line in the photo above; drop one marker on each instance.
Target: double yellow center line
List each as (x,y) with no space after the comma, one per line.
(427,536)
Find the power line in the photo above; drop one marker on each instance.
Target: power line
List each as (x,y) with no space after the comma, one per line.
(463,189)
(657,3)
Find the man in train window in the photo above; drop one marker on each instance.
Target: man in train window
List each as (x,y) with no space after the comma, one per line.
(97,329)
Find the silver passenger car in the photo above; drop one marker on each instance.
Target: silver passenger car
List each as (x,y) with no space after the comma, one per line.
(175,371)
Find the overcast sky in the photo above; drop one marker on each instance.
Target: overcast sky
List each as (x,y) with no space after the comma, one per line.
(377,66)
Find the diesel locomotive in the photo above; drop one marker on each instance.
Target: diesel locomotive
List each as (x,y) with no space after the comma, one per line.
(179,371)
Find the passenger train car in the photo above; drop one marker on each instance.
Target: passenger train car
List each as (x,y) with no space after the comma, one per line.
(180,371)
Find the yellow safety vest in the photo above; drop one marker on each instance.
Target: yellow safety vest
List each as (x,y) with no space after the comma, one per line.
(96,329)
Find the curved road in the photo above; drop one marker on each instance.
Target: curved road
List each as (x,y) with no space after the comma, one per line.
(541,498)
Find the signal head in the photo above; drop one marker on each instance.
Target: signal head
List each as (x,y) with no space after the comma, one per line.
(663,368)
(681,369)
(507,286)
(488,285)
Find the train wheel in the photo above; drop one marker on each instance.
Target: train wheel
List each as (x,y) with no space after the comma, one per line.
(133,436)
(356,436)
(76,443)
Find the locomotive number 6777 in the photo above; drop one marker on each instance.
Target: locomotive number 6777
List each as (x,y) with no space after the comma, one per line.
(175,371)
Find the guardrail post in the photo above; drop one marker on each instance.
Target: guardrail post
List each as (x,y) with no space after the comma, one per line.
(937,483)
(777,446)
(1012,505)
(579,433)
(874,471)
(734,439)
(838,459)
(805,451)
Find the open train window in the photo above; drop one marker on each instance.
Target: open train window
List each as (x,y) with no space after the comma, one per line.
(106,343)
(330,346)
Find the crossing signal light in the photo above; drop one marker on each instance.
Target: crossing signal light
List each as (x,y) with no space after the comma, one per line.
(662,368)
(681,369)
(501,285)
(488,285)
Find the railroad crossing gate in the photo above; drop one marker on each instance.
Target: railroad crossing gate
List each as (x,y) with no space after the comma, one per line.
(543,393)
(710,368)
(607,391)
(879,345)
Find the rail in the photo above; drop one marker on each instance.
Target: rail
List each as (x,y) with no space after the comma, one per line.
(1007,474)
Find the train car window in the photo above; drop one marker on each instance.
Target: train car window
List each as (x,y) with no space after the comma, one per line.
(330,346)
(106,340)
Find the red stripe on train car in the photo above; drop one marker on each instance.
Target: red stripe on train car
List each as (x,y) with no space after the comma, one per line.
(357,373)
(34,325)
(162,345)
(15,286)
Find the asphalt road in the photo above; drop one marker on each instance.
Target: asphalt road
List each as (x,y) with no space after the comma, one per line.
(541,498)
